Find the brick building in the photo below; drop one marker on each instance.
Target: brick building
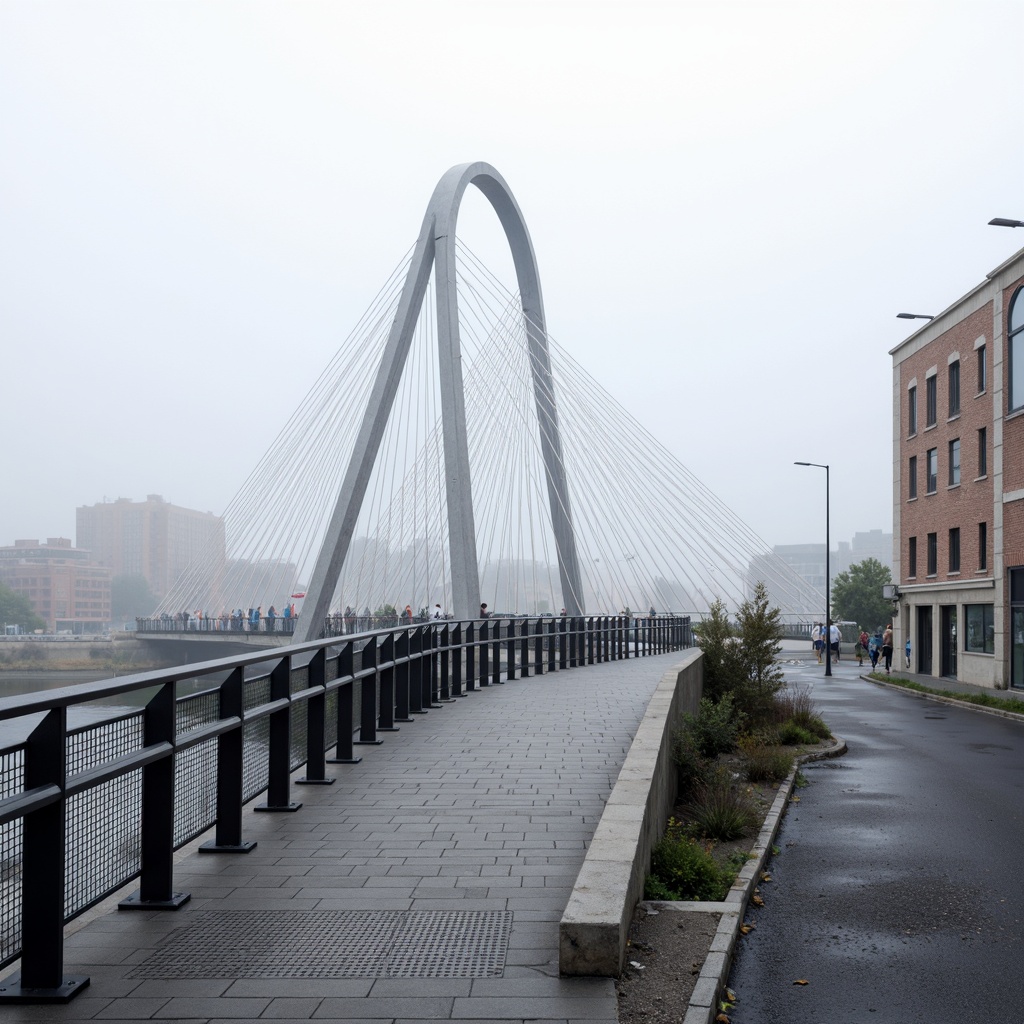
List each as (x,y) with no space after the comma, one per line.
(63,585)
(150,538)
(958,496)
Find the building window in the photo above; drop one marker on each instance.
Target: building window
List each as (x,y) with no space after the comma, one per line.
(912,558)
(932,471)
(929,401)
(981,629)
(954,462)
(954,388)
(982,371)
(954,549)
(912,410)
(933,553)
(912,477)
(982,545)
(1015,339)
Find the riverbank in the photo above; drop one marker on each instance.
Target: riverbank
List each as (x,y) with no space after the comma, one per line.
(114,654)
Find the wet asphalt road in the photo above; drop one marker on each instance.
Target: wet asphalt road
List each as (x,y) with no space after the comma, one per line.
(897,892)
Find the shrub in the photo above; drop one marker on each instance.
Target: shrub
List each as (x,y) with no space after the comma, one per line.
(686,871)
(766,764)
(721,812)
(691,765)
(791,734)
(716,727)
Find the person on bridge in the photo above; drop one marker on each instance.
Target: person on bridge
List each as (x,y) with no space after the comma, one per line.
(437,613)
(271,616)
(484,613)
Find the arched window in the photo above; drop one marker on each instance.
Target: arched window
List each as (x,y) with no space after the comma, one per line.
(1015,345)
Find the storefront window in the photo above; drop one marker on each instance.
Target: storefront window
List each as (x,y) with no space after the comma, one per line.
(980,629)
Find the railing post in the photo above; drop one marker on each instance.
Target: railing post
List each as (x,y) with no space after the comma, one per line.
(386,717)
(524,648)
(316,724)
(42,978)
(574,641)
(538,648)
(484,651)
(156,883)
(279,756)
(230,764)
(510,650)
(343,753)
(368,698)
(590,626)
(563,642)
(457,658)
(496,654)
(430,639)
(402,678)
(470,649)
(443,635)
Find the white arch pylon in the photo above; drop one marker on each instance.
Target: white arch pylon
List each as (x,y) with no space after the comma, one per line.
(436,247)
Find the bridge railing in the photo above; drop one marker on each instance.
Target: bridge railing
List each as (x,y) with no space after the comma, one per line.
(221,626)
(86,809)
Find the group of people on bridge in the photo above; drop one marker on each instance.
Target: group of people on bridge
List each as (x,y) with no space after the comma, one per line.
(236,620)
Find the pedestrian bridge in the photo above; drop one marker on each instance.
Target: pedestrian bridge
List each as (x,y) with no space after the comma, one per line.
(420,871)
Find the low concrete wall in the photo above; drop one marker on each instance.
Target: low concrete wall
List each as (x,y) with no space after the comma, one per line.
(595,925)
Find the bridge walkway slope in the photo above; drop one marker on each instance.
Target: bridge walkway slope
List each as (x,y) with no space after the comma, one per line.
(426,883)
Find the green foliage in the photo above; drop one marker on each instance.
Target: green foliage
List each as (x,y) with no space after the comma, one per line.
(691,765)
(130,596)
(791,734)
(722,812)
(857,595)
(684,870)
(716,727)
(721,657)
(760,631)
(16,610)
(982,699)
(764,763)
(385,611)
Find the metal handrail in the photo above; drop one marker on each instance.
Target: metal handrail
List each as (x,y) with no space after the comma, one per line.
(373,679)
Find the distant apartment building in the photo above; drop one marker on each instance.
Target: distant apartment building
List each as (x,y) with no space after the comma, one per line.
(958,485)
(64,586)
(808,560)
(150,538)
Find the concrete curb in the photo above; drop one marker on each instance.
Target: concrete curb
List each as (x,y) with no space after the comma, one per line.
(953,701)
(714,975)
(595,924)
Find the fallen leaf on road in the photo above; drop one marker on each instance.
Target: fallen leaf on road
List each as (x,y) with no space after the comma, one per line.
(756,900)
(746,929)
(800,981)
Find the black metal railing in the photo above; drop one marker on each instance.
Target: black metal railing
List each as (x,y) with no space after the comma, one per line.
(222,625)
(85,810)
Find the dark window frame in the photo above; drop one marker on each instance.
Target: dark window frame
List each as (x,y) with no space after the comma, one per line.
(982,371)
(982,451)
(933,554)
(954,462)
(930,401)
(954,549)
(931,471)
(1014,337)
(954,388)
(982,546)
(979,636)
(912,410)
(912,558)
(912,478)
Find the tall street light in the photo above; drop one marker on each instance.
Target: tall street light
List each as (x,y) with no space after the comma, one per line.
(828,581)
(914,316)
(1005,222)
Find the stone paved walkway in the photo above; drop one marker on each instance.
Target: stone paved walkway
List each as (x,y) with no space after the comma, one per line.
(485,805)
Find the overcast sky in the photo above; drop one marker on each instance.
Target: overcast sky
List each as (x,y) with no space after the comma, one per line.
(729,203)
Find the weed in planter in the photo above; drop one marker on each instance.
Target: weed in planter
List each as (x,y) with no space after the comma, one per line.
(766,764)
(791,734)
(716,726)
(719,811)
(685,870)
(691,767)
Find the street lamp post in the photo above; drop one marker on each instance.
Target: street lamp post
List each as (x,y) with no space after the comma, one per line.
(828,581)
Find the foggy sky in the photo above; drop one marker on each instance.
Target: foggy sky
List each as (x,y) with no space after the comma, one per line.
(729,204)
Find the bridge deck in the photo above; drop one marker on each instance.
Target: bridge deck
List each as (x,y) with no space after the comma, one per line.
(436,870)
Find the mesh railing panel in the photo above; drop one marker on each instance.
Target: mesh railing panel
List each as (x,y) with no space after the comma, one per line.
(12,781)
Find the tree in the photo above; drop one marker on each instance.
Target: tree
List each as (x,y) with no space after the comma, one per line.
(130,596)
(857,595)
(760,632)
(16,610)
(721,663)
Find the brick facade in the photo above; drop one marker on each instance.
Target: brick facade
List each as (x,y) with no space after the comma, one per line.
(956,613)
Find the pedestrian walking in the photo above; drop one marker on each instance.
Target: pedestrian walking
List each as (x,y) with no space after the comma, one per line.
(862,647)
(835,639)
(874,650)
(887,647)
(906,651)
(816,640)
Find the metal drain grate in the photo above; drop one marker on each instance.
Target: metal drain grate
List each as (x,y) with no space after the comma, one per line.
(335,944)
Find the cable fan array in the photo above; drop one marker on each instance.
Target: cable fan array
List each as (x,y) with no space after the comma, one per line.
(648,532)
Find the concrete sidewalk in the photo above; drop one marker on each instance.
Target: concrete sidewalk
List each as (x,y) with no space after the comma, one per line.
(427,883)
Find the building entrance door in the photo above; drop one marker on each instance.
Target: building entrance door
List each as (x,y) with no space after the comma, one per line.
(948,641)
(924,640)
(1017,648)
